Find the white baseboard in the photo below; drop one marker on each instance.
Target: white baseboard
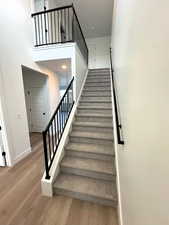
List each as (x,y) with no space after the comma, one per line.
(21,156)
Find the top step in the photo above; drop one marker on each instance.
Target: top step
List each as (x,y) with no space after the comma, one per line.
(100,69)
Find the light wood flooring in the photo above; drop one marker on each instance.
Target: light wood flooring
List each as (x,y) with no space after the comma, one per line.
(21,202)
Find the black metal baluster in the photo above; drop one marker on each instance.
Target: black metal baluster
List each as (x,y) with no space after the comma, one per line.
(60,122)
(58,128)
(58,22)
(35,22)
(65,109)
(65,34)
(51,25)
(46,31)
(67,104)
(39,31)
(72,93)
(42,29)
(61,118)
(49,144)
(68,26)
(49,31)
(55,131)
(62,107)
(52,137)
(46,155)
(61,25)
(62,114)
(55,26)
(73,28)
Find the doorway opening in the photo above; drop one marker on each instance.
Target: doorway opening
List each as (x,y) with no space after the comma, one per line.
(37,103)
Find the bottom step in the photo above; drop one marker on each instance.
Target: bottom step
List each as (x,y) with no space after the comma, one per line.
(88,189)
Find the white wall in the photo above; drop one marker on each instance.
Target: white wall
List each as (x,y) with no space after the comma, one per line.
(99,49)
(15,45)
(141,64)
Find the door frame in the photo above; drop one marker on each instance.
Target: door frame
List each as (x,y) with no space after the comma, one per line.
(46,91)
(3,122)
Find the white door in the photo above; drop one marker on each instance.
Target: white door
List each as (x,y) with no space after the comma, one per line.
(37,109)
(2,162)
(39,5)
(28,107)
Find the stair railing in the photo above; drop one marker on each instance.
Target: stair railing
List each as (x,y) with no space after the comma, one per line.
(55,128)
(117,116)
(58,26)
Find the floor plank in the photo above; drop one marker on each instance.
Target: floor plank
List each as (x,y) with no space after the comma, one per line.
(21,202)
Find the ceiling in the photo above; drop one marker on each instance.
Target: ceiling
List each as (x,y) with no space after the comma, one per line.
(56,65)
(95,16)
(64,75)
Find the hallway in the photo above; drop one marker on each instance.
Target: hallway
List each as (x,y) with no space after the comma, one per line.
(22,203)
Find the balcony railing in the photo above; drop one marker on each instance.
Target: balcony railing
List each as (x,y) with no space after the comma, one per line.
(57,26)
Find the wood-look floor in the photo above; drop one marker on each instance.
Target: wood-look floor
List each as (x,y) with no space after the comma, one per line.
(21,202)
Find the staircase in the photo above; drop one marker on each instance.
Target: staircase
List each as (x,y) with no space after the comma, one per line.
(88,170)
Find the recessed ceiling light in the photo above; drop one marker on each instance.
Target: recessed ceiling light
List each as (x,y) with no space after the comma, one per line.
(64,67)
